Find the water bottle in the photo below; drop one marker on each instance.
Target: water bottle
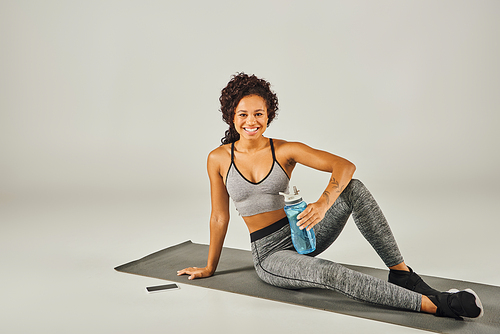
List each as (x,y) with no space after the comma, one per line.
(304,241)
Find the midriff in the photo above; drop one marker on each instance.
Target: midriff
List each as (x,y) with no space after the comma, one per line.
(261,220)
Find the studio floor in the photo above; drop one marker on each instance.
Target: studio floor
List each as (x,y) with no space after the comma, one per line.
(59,250)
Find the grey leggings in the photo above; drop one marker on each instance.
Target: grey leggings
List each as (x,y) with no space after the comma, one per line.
(277,262)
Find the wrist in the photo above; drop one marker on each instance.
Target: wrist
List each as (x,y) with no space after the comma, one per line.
(324,201)
(210,269)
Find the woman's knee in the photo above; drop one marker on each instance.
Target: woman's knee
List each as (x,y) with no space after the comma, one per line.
(356,184)
(356,188)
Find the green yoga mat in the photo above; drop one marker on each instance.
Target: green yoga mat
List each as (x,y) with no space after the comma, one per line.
(236,274)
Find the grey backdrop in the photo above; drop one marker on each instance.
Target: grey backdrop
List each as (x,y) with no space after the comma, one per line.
(108,110)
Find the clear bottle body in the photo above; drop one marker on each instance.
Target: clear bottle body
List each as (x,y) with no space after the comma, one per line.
(304,241)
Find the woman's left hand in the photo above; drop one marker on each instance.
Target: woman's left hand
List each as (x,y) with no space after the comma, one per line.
(313,214)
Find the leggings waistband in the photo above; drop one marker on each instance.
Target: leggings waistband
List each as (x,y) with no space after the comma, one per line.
(263,232)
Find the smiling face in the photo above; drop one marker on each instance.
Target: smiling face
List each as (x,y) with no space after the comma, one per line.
(250,117)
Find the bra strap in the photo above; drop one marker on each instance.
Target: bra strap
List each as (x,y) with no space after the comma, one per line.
(232,152)
(272,149)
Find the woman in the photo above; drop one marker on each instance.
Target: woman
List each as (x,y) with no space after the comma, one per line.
(253,169)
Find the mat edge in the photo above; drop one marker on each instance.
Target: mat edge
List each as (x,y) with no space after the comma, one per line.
(120,267)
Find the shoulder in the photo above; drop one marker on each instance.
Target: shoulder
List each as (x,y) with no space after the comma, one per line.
(220,152)
(288,146)
(289,151)
(219,157)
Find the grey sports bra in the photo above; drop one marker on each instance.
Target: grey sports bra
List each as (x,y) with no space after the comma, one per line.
(252,198)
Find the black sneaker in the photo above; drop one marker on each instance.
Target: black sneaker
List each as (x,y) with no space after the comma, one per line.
(457,304)
(411,281)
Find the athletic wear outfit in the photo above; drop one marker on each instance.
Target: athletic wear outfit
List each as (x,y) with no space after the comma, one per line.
(277,262)
(252,198)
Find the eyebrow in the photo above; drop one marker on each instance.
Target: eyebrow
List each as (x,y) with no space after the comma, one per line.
(242,110)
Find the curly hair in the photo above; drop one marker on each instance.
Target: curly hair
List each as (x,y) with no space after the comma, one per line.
(238,87)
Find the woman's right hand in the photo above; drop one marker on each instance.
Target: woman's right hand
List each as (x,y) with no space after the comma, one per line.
(195,272)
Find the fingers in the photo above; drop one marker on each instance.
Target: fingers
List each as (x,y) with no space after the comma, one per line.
(310,217)
(193,272)
(187,271)
(307,222)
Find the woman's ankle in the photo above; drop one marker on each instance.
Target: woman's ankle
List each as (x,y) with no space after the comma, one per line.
(401,266)
(427,305)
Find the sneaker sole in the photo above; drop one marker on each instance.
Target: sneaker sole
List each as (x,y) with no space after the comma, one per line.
(478,301)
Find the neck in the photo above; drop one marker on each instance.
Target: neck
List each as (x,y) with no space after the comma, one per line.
(248,146)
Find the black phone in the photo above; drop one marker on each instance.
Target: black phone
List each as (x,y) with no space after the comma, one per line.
(160,288)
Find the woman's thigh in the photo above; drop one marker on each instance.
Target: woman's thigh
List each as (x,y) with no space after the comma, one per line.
(328,230)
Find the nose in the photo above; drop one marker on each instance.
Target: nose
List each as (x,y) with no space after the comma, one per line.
(251,119)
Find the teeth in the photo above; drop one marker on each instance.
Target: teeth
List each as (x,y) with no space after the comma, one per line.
(251,129)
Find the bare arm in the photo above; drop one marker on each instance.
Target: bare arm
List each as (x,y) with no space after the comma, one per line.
(219,220)
(341,169)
